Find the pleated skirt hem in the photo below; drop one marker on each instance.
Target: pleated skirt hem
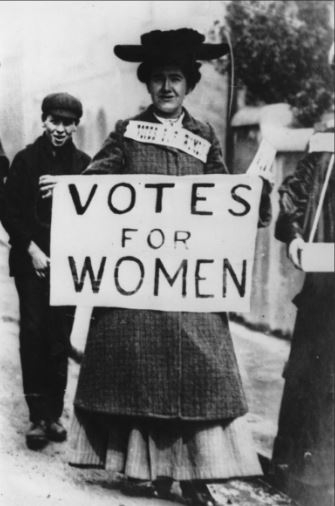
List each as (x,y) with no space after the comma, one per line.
(149,449)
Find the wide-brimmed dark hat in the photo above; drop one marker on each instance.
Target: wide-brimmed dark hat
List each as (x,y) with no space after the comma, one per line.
(184,43)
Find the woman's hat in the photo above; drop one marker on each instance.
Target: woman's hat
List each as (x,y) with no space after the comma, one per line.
(183,43)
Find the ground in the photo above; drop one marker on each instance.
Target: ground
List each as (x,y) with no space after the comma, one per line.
(29,478)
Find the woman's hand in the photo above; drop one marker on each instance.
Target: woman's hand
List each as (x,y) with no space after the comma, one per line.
(39,259)
(47,184)
(294,251)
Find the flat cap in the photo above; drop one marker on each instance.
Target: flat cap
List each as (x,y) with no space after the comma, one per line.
(63,105)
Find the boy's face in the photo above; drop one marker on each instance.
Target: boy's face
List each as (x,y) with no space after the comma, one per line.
(59,130)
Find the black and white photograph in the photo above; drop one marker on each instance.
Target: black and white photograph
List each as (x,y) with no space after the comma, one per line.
(167,262)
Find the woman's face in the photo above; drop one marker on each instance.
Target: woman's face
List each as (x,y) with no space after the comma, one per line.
(168,87)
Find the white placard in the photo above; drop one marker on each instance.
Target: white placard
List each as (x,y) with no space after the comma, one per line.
(318,257)
(322,142)
(154,242)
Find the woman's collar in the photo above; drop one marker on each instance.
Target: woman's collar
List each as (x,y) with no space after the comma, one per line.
(188,121)
(175,122)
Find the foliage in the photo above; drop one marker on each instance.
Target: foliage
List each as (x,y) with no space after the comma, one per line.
(281,49)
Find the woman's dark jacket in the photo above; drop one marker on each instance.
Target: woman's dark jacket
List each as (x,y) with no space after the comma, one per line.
(156,363)
(299,197)
(27,217)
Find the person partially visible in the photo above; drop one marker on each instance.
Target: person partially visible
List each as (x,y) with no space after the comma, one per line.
(44,330)
(4,166)
(303,451)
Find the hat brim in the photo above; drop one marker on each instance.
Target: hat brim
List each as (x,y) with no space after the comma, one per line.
(137,53)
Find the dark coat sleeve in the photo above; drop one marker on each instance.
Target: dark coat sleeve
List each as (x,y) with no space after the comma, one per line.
(215,163)
(265,205)
(4,164)
(17,187)
(294,194)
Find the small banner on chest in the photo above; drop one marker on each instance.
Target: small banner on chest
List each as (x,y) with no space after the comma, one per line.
(170,136)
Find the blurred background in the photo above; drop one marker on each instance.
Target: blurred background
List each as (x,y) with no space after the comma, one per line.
(68,46)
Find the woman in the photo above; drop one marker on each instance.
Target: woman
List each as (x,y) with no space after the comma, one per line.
(159,394)
(303,451)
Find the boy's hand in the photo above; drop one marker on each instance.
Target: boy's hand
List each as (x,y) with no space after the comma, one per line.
(47,184)
(39,259)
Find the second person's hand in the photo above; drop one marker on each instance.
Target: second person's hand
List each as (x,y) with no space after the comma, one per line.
(294,251)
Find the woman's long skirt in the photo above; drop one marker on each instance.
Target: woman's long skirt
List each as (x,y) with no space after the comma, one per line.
(147,449)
